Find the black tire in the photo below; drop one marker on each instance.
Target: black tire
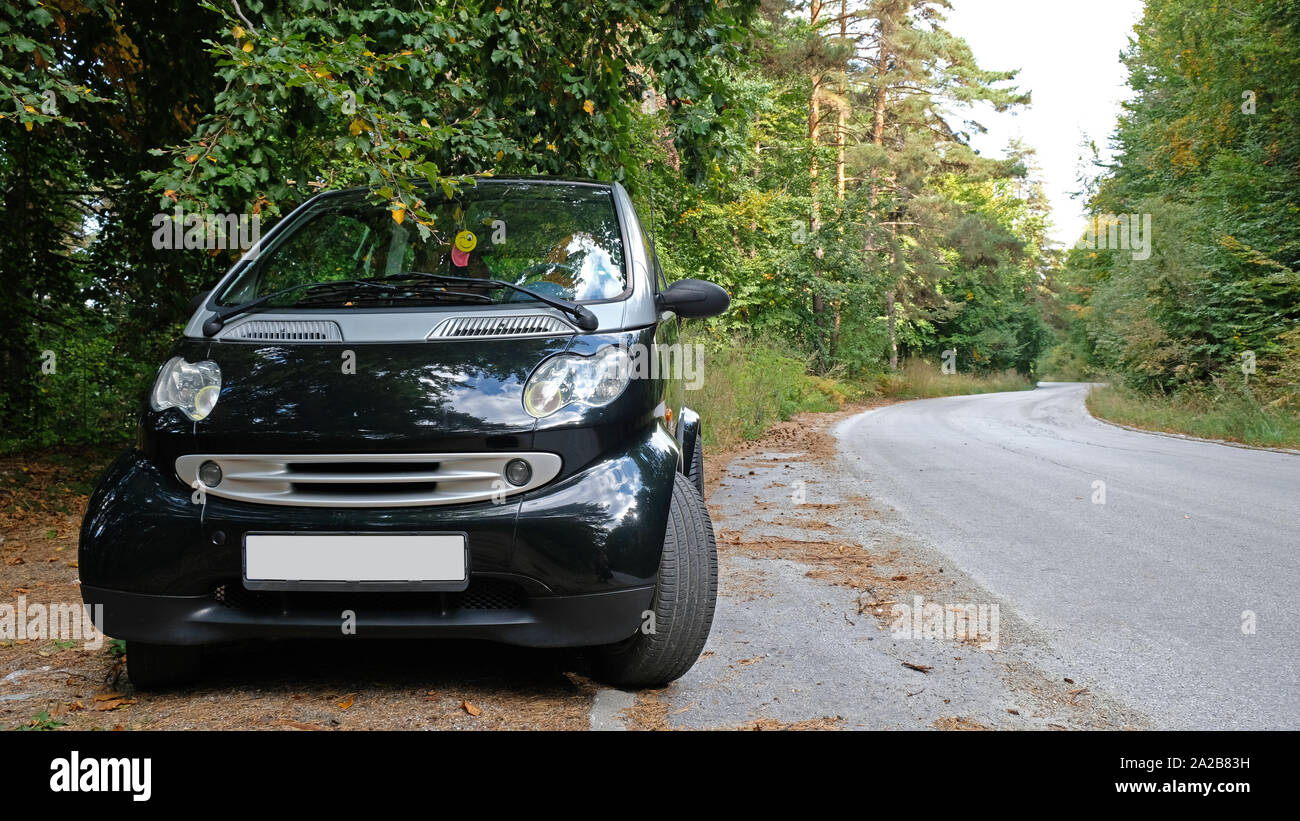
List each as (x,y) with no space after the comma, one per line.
(684,598)
(152,666)
(696,471)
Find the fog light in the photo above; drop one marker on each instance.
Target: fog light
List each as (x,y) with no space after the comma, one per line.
(210,474)
(518,472)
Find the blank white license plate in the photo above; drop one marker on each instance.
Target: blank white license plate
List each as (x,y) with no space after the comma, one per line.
(301,558)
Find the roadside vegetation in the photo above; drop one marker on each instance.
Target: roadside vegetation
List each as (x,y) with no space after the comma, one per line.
(1198,325)
(752,383)
(1234,414)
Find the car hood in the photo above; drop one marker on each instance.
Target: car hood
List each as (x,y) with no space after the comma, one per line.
(399,397)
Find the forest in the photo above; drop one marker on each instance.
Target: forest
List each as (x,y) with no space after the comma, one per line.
(814,158)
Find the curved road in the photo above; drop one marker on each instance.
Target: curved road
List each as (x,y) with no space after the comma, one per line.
(1177,588)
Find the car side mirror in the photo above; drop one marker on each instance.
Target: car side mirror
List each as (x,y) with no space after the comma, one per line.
(198,301)
(694,299)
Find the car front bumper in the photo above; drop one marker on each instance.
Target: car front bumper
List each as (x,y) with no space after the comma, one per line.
(570,564)
(537,621)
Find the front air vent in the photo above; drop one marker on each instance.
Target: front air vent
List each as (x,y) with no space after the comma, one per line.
(262,330)
(369,480)
(497,327)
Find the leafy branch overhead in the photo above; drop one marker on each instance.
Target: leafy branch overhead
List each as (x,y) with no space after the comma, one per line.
(34,88)
(385,97)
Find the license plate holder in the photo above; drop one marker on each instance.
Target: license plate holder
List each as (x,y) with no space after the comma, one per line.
(344,561)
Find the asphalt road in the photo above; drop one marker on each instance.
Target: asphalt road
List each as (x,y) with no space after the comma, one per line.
(1176,591)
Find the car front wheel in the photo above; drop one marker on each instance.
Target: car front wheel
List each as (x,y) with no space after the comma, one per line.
(669,642)
(696,471)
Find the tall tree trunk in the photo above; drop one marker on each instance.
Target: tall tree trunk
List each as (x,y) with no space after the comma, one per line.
(842,114)
(841,131)
(891,311)
(814,125)
(878,137)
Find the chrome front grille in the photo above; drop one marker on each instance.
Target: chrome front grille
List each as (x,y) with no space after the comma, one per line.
(263,330)
(480,327)
(367,479)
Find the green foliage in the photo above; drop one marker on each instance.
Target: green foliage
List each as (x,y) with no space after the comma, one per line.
(35,87)
(753,381)
(1223,409)
(1210,148)
(923,379)
(43,721)
(383,96)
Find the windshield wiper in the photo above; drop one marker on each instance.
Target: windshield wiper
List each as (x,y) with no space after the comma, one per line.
(398,293)
(583,316)
(217,321)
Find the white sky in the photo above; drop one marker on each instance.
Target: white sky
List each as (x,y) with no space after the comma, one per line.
(1068,56)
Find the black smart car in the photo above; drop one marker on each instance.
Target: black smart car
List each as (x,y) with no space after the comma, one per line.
(474,430)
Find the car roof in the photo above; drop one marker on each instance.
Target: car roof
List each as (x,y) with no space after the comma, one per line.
(488,181)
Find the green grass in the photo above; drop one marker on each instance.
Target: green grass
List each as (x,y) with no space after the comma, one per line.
(1233,414)
(42,721)
(751,384)
(917,379)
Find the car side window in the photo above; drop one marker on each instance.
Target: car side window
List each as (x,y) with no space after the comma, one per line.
(660,281)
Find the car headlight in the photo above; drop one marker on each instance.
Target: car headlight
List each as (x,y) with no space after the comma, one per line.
(583,380)
(191,386)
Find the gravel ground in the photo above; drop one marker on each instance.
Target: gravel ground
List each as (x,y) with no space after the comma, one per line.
(803,638)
